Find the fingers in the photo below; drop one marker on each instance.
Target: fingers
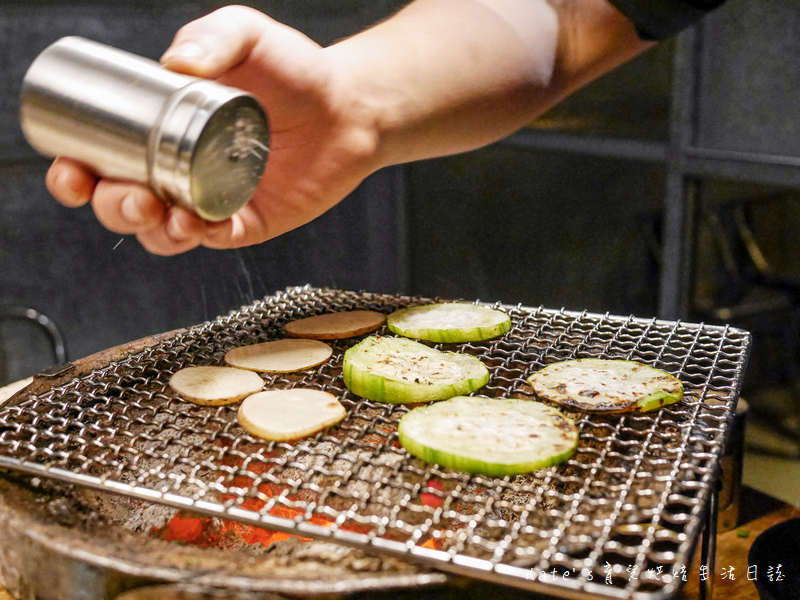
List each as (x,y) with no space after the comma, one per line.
(133,209)
(246,227)
(181,231)
(211,45)
(126,207)
(70,182)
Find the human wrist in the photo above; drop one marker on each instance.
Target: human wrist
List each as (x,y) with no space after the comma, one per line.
(366,102)
(447,76)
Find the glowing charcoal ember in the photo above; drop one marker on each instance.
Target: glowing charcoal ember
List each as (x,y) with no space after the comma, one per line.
(184,529)
(432,500)
(433,544)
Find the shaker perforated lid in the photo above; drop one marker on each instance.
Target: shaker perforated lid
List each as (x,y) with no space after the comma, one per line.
(209,149)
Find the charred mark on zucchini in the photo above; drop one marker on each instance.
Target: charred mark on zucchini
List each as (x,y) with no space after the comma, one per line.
(606,385)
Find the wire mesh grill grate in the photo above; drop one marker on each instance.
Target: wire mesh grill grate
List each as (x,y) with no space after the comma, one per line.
(619,519)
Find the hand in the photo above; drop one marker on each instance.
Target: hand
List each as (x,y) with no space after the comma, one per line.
(438,77)
(323,144)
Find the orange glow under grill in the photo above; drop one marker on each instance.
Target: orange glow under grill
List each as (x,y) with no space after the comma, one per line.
(187,528)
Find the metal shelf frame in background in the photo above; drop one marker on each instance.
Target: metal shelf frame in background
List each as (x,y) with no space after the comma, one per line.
(686,165)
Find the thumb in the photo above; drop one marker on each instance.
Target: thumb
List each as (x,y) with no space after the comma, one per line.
(212,45)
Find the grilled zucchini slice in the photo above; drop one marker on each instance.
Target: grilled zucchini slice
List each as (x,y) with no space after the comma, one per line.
(401,371)
(603,385)
(489,436)
(449,323)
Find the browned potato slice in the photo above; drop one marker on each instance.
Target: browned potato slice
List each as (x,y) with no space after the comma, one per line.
(281,356)
(279,415)
(337,325)
(214,386)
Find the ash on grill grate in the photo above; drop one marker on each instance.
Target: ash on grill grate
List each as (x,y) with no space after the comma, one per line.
(42,521)
(629,500)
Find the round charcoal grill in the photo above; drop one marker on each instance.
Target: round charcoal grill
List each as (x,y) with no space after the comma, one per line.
(618,520)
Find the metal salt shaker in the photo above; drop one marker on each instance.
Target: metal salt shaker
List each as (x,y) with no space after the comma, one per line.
(194,142)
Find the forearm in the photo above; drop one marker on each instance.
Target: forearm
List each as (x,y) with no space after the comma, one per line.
(441,76)
(446,76)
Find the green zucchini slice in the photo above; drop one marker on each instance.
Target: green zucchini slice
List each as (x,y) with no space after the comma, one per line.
(489,436)
(449,323)
(601,385)
(401,371)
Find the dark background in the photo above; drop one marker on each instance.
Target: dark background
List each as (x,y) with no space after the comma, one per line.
(567,214)
(102,289)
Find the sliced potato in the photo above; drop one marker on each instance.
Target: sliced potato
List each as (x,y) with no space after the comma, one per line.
(602,385)
(279,415)
(214,386)
(12,388)
(281,356)
(332,326)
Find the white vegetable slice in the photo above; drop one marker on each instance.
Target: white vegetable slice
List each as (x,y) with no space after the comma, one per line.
(280,415)
(12,388)
(280,356)
(401,371)
(488,436)
(337,325)
(213,386)
(606,385)
(453,322)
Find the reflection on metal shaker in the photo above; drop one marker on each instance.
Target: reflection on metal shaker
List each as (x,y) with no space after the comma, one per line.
(194,142)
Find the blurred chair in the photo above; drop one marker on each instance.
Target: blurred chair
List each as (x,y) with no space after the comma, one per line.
(756,295)
(41,322)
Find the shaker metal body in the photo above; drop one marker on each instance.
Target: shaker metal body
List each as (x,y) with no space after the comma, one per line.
(193,141)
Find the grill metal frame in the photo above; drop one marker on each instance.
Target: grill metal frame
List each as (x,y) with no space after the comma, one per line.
(618,520)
